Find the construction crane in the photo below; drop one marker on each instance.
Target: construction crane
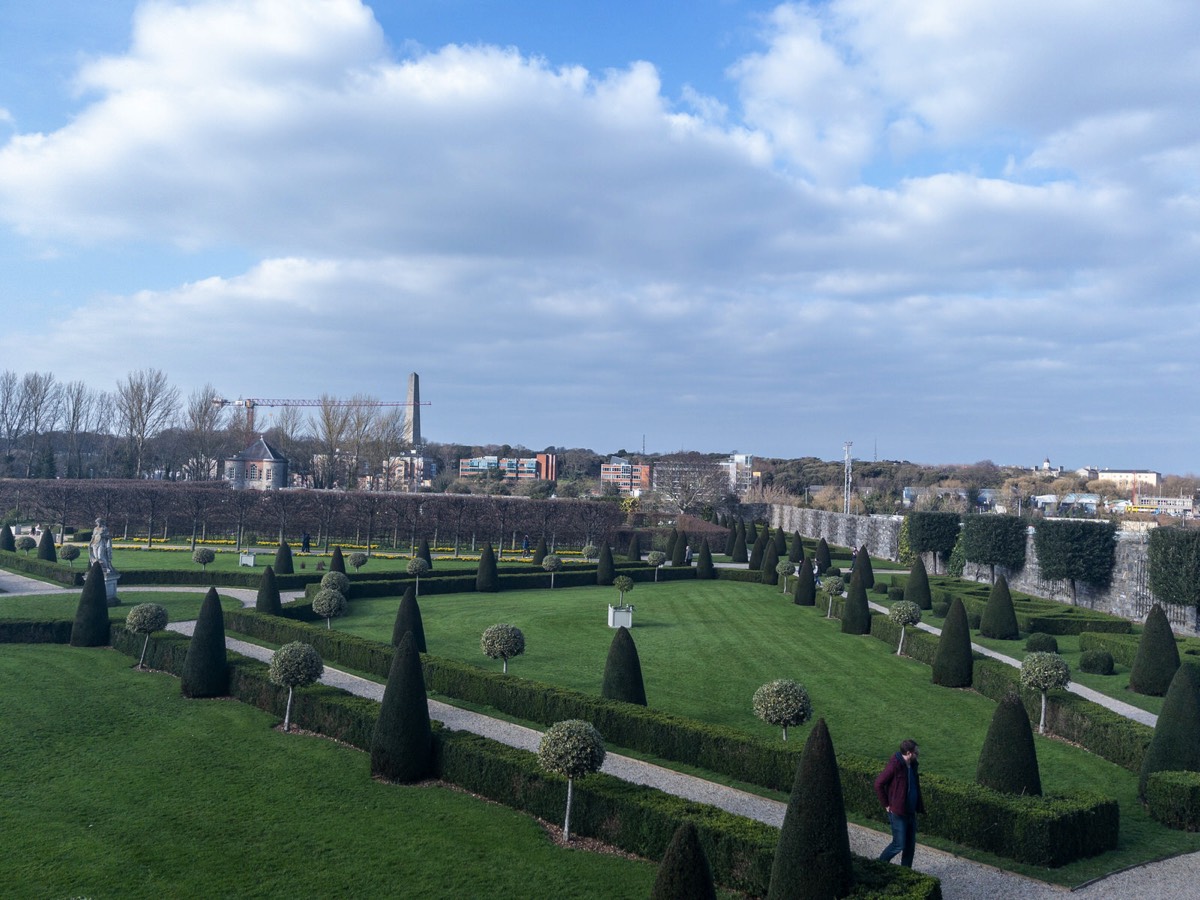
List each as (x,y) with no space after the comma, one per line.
(250,403)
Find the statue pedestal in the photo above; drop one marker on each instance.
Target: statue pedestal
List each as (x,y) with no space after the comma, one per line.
(110,588)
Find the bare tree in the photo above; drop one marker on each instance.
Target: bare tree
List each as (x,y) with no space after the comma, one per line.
(690,480)
(146,404)
(77,402)
(41,399)
(12,416)
(330,429)
(360,428)
(204,422)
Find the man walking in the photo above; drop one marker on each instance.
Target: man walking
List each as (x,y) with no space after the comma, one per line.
(899,790)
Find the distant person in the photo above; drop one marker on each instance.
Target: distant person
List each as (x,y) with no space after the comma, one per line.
(305,543)
(899,790)
(687,555)
(525,546)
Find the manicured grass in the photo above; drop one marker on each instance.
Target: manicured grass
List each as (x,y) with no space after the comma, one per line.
(180,605)
(115,786)
(706,647)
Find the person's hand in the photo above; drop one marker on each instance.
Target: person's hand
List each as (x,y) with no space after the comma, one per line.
(889,810)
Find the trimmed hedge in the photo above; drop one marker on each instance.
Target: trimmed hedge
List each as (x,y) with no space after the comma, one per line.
(28,631)
(1174,799)
(39,568)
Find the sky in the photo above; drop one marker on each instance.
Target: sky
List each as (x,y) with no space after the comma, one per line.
(944,230)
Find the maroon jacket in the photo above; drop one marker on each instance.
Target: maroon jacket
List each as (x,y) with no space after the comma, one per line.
(892,786)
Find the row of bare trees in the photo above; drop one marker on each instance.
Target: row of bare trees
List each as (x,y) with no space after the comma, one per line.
(188,512)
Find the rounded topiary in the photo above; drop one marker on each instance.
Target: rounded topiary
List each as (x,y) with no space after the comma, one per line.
(337,563)
(656,558)
(999,619)
(46,550)
(416,568)
(328,604)
(605,571)
(804,591)
(940,608)
(783,703)
(623,584)
(571,748)
(684,873)
(1039,642)
(1173,799)
(336,581)
(91,628)
(881,588)
(589,551)
(856,613)
(502,641)
(1157,656)
(408,621)
(1008,760)
(70,553)
(294,665)
(402,745)
(904,613)
(283,559)
(552,563)
(205,668)
(26,543)
(895,593)
(202,556)
(623,670)
(358,559)
(974,620)
(916,586)
(1175,746)
(268,600)
(486,580)
(1096,662)
(146,618)
(1044,672)
(953,663)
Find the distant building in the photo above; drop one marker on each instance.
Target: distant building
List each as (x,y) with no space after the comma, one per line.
(629,477)
(1128,479)
(740,467)
(260,467)
(402,473)
(541,467)
(1184,507)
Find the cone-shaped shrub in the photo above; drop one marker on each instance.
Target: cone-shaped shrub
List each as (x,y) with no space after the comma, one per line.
(336,562)
(679,551)
(751,534)
(769,565)
(757,550)
(738,554)
(1175,746)
(704,564)
(812,858)
(540,551)
(953,665)
(634,551)
(862,562)
(780,540)
(268,600)
(729,541)
(486,581)
(684,873)
(999,620)
(1008,761)
(402,746)
(805,591)
(856,614)
(423,553)
(796,552)
(623,670)
(916,588)
(91,616)
(408,621)
(605,571)
(822,556)
(672,540)
(205,671)
(46,549)
(7,541)
(283,559)
(1157,656)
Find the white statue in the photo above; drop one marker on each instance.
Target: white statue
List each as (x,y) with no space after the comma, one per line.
(100,548)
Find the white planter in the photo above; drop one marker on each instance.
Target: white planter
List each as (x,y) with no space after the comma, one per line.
(246,559)
(618,617)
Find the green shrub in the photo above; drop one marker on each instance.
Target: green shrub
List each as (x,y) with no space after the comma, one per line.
(769,564)
(1039,642)
(268,600)
(1174,799)
(540,551)
(46,551)
(704,562)
(1044,672)
(605,570)
(623,670)
(1008,762)
(402,746)
(337,562)
(294,665)
(832,572)
(953,665)
(502,641)
(408,621)
(336,581)
(146,618)
(783,703)
(862,562)
(881,588)
(1157,656)
(357,560)
(91,627)
(824,561)
(856,614)
(1096,662)
(941,608)
(757,550)
(894,594)
(804,591)
(329,604)
(486,581)
(205,669)
(572,749)
(7,542)
(684,873)
(974,620)
(283,559)
(999,619)
(1176,743)
(738,553)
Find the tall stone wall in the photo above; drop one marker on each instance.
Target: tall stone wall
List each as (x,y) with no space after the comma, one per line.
(879,534)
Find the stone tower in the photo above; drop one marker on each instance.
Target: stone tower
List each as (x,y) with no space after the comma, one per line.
(412,422)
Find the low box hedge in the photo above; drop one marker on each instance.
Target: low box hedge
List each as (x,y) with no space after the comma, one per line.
(1174,799)
(40,568)
(17,631)
(1124,647)
(1047,616)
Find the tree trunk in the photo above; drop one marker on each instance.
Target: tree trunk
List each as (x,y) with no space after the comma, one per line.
(1042,723)
(900,649)
(567,820)
(142,658)
(287,713)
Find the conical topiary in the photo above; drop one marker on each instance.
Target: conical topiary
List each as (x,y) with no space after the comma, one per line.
(486,580)
(402,746)
(999,620)
(45,548)
(862,563)
(283,559)
(804,593)
(1175,746)
(731,539)
(336,562)
(812,858)
(751,534)
(769,567)
(424,553)
(205,669)
(796,551)
(408,621)
(684,873)
(953,664)
(605,570)
(91,628)
(672,540)
(916,588)
(757,551)
(1157,656)
(268,600)
(738,554)
(822,556)
(7,541)
(1008,760)
(623,670)
(539,552)
(704,562)
(633,552)
(781,547)
(856,613)
(679,551)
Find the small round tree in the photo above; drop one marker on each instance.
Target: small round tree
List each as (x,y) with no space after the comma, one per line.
(784,703)
(503,642)
(1008,760)
(656,558)
(832,587)
(295,665)
(336,581)
(903,614)
(1043,672)
(417,567)
(784,569)
(202,556)
(1157,656)
(69,552)
(329,603)
(623,671)
(552,563)
(358,559)
(26,543)
(623,584)
(572,748)
(589,551)
(146,618)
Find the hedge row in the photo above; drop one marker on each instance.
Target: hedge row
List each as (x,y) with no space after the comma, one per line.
(15,631)
(637,819)
(247,578)
(47,571)
(1124,647)
(1174,799)
(1049,617)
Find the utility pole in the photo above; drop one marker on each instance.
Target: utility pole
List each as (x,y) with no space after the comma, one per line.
(846,489)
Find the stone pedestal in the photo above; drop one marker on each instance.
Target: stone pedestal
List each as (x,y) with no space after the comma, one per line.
(110,588)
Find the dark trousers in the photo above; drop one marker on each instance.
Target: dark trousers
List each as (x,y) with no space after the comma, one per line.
(904,839)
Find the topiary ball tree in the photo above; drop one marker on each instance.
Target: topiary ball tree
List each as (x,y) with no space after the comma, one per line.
(1042,643)
(804,590)
(1096,662)
(336,581)
(408,621)
(146,618)
(337,563)
(552,563)
(904,613)
(26,543)
(862,560)
(589,551)
(623,671)
(705,570)
(205,668)
(202,556)
(268,600)
(916,587)
(1008,761)
(502,641)
(358,559)
(91,628)
(295,665)
(605,571)
(999,620)
(634,552)
(283,559)
(768,565)
(486,580)
(783,703)
(70,553)
(684,873)
(1175,746)
(1157,656)
(656,558)
(328,604)
(784,569)
(856,613)
(833,589)
(1043,672)
(812,858)
(623,584)
(402,745)
(416,568)
(822,556)
(7,541)
(953,663)
(572,748)
(46,551)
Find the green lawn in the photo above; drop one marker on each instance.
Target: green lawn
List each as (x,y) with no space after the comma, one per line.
(115,786)
(180,605)
(706,647)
